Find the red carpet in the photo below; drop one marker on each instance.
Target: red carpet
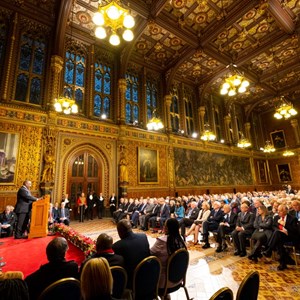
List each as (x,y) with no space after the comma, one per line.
(28,255)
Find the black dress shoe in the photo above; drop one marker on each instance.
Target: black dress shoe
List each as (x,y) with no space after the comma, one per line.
(267,253)
(224,247)
(206,246)
(282,267)
(290,261)
(219,249)
(236,252)
(243,254)
(252,257)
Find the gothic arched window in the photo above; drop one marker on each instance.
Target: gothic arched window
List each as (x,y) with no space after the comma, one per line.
(174,112)
(151,97)
(30,74)
(132,98)
(102,90)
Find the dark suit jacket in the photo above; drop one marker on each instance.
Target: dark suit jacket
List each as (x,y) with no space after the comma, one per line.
(165,214)
(67,213)
(24,201)
(246,222)
(232,220)
(266,225)
(8,218)
(290,226)
(55,214)
(215,218)
(48,274)
(134,248)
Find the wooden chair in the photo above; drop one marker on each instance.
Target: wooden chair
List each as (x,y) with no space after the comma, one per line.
(249,287)
(145,279)
(224,293)
(292,248)
(120,281)
(66,288)
(177,267)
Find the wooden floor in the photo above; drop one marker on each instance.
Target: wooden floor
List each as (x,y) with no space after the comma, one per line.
(210,271)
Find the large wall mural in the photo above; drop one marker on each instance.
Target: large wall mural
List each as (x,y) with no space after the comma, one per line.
(203,168)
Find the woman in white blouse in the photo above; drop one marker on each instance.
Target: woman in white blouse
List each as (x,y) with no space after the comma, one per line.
(197,225)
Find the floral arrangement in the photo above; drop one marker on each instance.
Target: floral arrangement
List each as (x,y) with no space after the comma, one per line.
(86,244)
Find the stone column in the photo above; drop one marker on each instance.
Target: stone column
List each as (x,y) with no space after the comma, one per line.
(121,102)
(168,102)
(201,113)
(295,125)
(57,63)
(227,120)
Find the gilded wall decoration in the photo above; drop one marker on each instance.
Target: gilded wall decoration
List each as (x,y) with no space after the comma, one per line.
(203,168)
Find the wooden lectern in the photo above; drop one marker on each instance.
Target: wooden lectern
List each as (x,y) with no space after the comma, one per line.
(39,218)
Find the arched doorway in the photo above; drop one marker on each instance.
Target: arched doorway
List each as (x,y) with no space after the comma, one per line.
(84,175)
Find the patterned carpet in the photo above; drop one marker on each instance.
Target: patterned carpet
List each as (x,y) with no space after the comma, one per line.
(210,271)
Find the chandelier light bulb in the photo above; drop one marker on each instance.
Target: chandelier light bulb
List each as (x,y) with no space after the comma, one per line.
(58,107)
(226,86)
(128,35)
(98,19)
(114,39)
(100,33)
(223,91)
(113,12)
(128,21)
(245,83)
(74,109)
(293,112)
(242,89)
(67,111)
(236,81)
(231,93)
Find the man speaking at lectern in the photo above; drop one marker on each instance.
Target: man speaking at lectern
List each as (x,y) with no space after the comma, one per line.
(23,209)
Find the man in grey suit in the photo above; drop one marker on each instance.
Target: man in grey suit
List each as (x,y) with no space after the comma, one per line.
(244,228)
(23,209)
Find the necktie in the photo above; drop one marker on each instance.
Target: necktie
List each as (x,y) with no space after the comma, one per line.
(280,225)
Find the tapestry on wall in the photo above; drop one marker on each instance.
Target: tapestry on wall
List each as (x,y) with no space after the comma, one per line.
(203,168)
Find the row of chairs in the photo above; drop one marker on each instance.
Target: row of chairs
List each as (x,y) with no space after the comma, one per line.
(145,280)
(248,289)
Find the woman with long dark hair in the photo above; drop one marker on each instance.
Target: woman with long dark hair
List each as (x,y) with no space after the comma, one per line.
(166,245)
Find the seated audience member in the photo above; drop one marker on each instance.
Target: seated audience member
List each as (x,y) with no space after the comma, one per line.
(189,218)
(243,230)
(7,221)
(96,281)
(263,225)
(64,214)
(162,215)
(128,210)
(179,210)
(55,213)
(226,226)
(172,208)
(285,230)
(57,268)
(138,212)
(134,247)
(295,212)
(13,289)
(119,210)
(212,223)
(165,246)
(104,249)
(197,225)
(145,212)
(153,213)
(289,190)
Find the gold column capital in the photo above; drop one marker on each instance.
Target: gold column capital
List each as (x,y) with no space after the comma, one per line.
(57,63)
(168,100)
(122,84)
(294,122)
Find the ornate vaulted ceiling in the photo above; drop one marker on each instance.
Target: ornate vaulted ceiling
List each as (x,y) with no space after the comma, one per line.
(194,40)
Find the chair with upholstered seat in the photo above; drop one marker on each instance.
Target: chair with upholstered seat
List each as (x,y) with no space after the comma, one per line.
(249,287)
(145,279)
(224,293)
(177,266)
(66,288)
(119,281)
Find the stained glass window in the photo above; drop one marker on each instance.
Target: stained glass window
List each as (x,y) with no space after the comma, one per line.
(75,69)
(31,65)
(174,111)
(188,105)
(132,98)
(151,97)
(102,89)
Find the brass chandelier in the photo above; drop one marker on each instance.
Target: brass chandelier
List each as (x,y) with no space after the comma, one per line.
(243,142)
(234,83)
(111,19)
(207,134)
(284,109)
(154,123)
(268,148)
(66,105)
